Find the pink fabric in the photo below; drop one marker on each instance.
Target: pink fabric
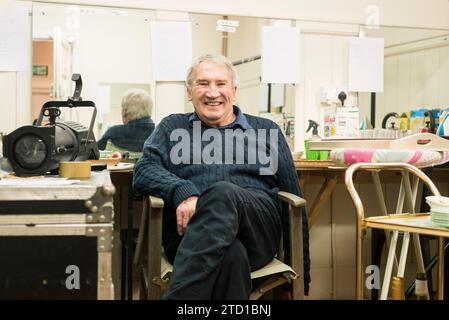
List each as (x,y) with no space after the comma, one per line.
(357,155)
(415,157)
(446,156)
(418,158)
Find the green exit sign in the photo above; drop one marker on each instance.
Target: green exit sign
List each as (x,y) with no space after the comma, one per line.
(40,70)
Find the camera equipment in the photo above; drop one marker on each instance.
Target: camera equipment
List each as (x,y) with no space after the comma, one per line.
(37,149)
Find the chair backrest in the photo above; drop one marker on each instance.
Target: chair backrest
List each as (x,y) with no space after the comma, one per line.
(405,169)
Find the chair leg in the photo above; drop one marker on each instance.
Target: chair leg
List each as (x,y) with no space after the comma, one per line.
(378,240)
(267,285)
(143,288)
(154,252)
(142,231)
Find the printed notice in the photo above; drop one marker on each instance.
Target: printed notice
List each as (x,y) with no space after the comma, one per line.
(15,39)
(280,55)
(171,43)
(366,64)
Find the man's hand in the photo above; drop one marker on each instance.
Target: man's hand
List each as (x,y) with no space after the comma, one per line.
(184,212)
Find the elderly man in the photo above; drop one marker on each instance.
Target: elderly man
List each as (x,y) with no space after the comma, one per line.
(218,171)
(137,124)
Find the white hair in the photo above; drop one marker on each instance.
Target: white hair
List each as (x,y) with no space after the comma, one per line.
(215,58)
(136,104)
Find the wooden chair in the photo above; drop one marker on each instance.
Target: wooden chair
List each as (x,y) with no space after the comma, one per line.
(155,270)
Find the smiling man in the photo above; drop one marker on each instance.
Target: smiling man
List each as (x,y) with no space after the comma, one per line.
(221,218)
(211,87)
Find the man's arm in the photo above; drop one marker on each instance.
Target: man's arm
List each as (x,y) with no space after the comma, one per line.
(151,174)
(104,139)
(287,177)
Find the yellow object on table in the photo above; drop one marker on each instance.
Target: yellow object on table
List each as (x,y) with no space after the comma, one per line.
(74,169)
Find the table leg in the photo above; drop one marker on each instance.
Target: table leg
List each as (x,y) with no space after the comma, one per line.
(323,195)
(302,179)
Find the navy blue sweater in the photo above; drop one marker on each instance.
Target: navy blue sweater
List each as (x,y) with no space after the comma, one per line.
(130,136)
(156,174)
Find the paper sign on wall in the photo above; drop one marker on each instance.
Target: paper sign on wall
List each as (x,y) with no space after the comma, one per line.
(103,99)
(15,39)
(366,64)
(280,62)
(171,49)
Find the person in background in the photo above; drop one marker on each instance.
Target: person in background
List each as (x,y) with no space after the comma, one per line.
(221,218)
(137,124)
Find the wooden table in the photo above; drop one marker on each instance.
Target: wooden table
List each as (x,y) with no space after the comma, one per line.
(331,175)
(328,175)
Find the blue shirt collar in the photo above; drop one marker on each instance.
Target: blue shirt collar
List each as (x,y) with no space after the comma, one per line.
(239,121)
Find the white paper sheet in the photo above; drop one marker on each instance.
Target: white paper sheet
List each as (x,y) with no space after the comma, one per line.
(171,44)
(280,62)
(121,166)
(366,64)
(44,182)
(103,98)
(15,39)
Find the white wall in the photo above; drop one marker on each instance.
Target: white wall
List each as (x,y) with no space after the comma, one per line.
(245,43)
(205,39)
(110,47)
(412,80)
(420,13)
(15,94)
(324,62)
(114,50)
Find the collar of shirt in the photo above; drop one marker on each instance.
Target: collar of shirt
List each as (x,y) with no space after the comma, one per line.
(240,120)
(141,120)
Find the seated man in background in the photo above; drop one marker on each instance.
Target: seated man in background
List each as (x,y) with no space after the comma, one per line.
(137,124)
(221,217)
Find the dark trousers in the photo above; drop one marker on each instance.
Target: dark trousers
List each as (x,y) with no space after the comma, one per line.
(233,232)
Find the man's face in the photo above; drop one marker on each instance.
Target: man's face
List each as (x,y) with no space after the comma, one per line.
(213,93)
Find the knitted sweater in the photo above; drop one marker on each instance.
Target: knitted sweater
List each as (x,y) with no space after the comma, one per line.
(130,136)
(183,157)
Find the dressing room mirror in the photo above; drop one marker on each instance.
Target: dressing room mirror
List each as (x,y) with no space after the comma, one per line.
(110,48)
(416,71)
(241,44)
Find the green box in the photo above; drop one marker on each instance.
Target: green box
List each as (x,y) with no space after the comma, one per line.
(40,70)
(324,155)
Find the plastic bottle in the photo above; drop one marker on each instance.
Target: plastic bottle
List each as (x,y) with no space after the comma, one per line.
(312,155)
(397,288)
(443,128)
(290,135)
(403,122)
(421,291)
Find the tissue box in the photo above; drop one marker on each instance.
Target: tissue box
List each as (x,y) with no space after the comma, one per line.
(439,209)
